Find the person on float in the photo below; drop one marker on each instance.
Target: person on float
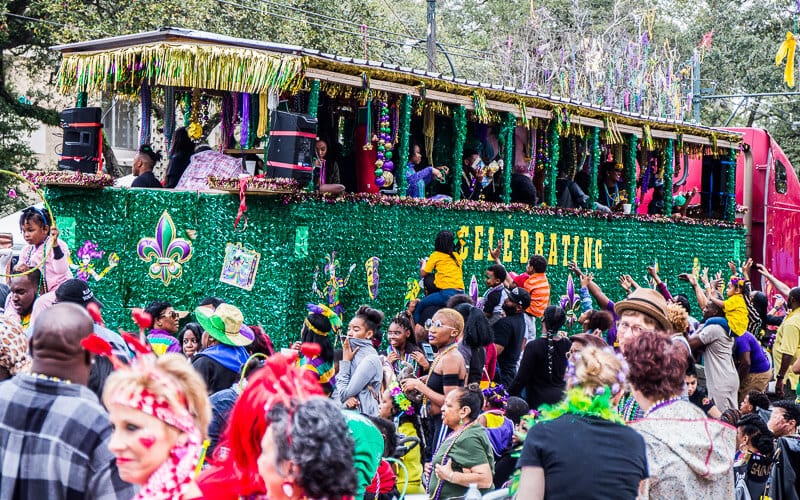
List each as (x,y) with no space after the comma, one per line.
(688,454)
(358,383)
(418,178)
(585,428)
(465,457)
(610,187)
(204,163)
(328,176)
(43,245)
(180,154)
(447,373)
(143,164)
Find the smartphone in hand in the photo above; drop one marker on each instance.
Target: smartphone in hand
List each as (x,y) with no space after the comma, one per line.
(428,350)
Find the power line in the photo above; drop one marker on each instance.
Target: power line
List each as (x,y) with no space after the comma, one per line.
(53,23)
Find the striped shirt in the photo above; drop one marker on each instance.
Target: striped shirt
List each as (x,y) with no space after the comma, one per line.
(539,288)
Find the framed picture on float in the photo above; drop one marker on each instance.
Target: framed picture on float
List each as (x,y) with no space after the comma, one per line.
(240,266)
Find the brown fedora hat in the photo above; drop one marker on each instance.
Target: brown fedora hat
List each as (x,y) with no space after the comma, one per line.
(648,302)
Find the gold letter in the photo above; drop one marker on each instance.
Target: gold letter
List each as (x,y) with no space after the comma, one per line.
(575,240)
(508,235)
(478,255)
(463,234)
(598,255)
(587,252)
(552,258)
(538,249)
(491,244)
(523,247)
(565,239)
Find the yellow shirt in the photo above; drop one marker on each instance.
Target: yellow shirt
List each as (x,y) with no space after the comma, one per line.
(787,341)
(736,314)
(448,270)
(413,464)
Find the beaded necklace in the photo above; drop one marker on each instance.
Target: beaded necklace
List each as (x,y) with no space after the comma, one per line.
(436,362)
(629,408)
(661,404)
(453,437)
(609,198)
(41,376)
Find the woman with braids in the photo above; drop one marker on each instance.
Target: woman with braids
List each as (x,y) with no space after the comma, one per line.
(284,441)
(756,447)
(358,384)
(689,455)
(447,373)
(465,457)
(403,349)
(446,266)
(584,430)
(544,362)
(320,323)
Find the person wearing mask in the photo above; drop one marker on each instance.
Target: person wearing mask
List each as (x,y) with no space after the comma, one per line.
(358,383)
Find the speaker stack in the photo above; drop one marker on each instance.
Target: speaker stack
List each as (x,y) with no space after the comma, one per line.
(291,148)
(82,144)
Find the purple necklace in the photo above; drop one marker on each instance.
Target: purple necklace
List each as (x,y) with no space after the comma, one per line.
(662,404)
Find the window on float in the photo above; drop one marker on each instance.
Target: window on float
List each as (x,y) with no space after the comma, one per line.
(780,177)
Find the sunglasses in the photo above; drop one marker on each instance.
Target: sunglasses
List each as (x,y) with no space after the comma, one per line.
(437,324)
(171,314)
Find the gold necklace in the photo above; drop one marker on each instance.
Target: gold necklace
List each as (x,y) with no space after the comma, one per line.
(48,377)
(436,361)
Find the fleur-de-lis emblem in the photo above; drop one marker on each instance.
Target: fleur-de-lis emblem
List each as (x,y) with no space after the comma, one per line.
(571,304)
(166,253)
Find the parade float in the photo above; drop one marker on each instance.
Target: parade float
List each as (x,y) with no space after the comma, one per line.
(271,245)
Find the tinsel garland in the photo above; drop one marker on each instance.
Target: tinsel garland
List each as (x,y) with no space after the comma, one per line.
(263,116)
(313,98)
(507,136)
(147,114)
(189,65)
(255,118)
(730,186)
(479,102)
(81,100)
(403,147)
(244,134)
(552,166)
(460,129)
(630,170)
(227,119)
(169,117)
(669,169)
(594,165)
(67,178)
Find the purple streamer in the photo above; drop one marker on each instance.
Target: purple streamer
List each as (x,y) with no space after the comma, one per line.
(245,120)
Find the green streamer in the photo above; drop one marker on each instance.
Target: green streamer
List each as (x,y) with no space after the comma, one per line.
(460,129)
(187,108)
(507,137)
(669,170)
(313,98)
(594,165)
(552,167)
(82,99)
(630,170)
(403,148)
(730,186)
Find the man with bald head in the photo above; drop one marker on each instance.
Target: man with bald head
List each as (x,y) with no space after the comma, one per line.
(54,433)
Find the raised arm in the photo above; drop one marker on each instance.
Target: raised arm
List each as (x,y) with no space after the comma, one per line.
(779,285)
(660,285)
(495,253)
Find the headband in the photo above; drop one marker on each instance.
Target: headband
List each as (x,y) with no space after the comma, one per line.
(314,329)
(336,321)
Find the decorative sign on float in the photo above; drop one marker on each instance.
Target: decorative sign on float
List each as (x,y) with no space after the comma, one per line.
(166,252)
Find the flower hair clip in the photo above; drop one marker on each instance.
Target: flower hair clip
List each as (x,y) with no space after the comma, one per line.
(400,399)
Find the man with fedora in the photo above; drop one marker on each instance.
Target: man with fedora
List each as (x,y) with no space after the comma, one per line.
(509,332)
(643,312)
(223,353)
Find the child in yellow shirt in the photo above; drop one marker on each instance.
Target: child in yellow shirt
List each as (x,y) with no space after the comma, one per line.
(446,266)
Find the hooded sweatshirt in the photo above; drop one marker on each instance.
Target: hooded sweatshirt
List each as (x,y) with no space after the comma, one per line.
(361,377)
(219,365)
(689,455)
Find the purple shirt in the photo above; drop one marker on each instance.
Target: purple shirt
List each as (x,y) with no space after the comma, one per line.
(748,343)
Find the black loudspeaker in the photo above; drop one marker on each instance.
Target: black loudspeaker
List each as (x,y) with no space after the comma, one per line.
(291,148)
(82,146)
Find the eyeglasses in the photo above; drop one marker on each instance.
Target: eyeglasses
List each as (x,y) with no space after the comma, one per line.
(437,324)
(171,314)
(635,329)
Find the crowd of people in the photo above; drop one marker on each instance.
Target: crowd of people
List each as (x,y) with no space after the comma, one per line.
(448,398)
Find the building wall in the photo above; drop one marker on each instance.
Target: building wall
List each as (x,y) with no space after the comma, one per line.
(294,238)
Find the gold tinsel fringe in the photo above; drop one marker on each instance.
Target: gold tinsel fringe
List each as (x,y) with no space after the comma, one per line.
(181,65)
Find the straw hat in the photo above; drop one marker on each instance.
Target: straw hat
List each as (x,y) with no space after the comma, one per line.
(648,302)
(223,324)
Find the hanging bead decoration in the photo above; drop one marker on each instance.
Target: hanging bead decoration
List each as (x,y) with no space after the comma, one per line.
(630,170)
(669,155)
(313,98)
(508,158)
(594,164)
(384,161)
(187,109)
(244,133)
(552,165)
(402,150)
(194,128)
(147,114)
(169,116)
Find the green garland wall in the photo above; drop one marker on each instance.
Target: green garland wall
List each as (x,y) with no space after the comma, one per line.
(116,219)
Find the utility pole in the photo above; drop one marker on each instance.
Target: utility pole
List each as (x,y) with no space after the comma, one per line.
(431,45)
(696,91)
